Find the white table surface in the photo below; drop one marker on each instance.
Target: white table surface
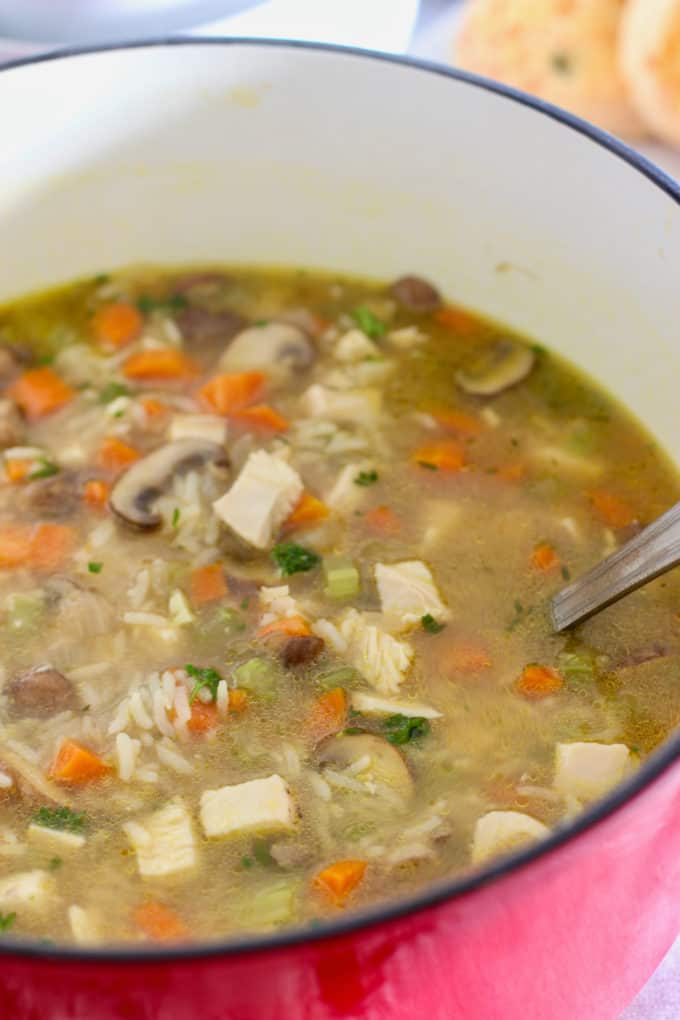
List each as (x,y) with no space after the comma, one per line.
(426,31)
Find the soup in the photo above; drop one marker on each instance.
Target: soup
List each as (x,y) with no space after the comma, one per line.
(276,550)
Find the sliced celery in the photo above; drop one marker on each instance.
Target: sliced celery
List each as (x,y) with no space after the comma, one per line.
(275,903)
(258,676)
(24,609)
(341,676)
(342,578)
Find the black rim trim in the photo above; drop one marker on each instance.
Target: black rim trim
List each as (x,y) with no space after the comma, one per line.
(658,763)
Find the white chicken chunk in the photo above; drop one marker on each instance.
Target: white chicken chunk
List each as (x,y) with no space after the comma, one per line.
(84,928)
(260,499)
(355,406)
(355,346)
(199,426)
(408,593)
(382,660)
(54,839)
(373,704)
(589,770)
(259,805)
(164,841)
(33,891)
(501,831)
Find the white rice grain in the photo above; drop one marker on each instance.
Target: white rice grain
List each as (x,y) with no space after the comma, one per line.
(491,417)
(169,682)
(147,775)
(6,782)
(183,711)
(319,785)
(100,535)
(23,750)
(90,672)
(147,620)
(410,852)
(173,759)
(160,714)
(344,782)
(222,698)
(121,717)
(140,589)
(127,752)
(139,712)
(329,633)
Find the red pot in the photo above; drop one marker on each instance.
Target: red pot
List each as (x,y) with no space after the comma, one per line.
(248,152)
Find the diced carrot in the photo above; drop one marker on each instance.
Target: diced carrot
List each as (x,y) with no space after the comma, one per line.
(238,700)
(15,544)
(308,510)
(117,324)
(153,408)
(539,681)
(261,417)
(161,363)
(611,509)
(77,764)
(39,392)
(207,584)
(383,520)
(447,455)
(458,320)
(160,922)
(18,469)
(339,879)
(287,626)
(203,717)
(96,493)
(231,392)
(465,657)
(51,544)
(327,715)
(545,558)
(115,455)
(457,421)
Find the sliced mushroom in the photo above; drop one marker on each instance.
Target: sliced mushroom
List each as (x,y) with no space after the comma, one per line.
(57,496)
(80,612)
(386,763)
(504,364)
(300,651)
(40,692)
(415,294)
(202,326)
(135,493)
(277,348)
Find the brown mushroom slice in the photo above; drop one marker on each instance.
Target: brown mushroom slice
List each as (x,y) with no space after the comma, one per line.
(502,365)
(415,294)
(386,763)
(30,777)
(135,493)
(277,348)
(301,650)
(40,692)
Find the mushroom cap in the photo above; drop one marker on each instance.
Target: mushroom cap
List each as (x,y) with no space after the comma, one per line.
(278,348)
(502,365)
(387,764)
(135,493)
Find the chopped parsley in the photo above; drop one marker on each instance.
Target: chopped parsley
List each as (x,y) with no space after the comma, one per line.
(112,391)
(45,470)
(521,613)
(366,478)
(431,625)
(54,863)
(400,729)
(426,464)
(176,514)
(566,573)
(368,323)
(245,602)
(7,920)
(262,854)
(246,862)
(561,62)
(61,818)
(101,278)
(292,558)
(95,568)
(173,303)
(208,677)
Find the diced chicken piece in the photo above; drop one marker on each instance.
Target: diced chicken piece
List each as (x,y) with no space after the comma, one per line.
(355,346)
(260,805)
(346,495)
(589,770)
(199,426)
(408,593)
(84,928)
(382,660)
(163,842)
(501,831)
(407,336)
(359,406)
(33,891)
(373,704)
(54,839)
(260,499)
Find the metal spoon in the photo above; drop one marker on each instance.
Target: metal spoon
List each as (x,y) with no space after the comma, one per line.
(654,551)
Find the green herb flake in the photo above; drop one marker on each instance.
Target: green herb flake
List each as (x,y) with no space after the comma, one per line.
(173,303)
(426,464)
(204,678)
(400,729)
(246,862)
(262,853)
(561,62)
(54,863)
(431,625)
(95,568)
(45,470)
(112,391)
(60,818)
(366,478)
(292,558)
(566,573)
(101,278)
(261,323)
(368,323)
(176,514)
(245,602)
(7,920)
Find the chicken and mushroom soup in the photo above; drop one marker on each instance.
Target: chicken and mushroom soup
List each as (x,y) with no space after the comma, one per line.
(275,555)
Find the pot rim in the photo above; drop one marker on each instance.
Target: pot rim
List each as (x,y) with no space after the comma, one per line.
(659,762)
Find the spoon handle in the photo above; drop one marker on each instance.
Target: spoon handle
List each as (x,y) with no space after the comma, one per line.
(654,551)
